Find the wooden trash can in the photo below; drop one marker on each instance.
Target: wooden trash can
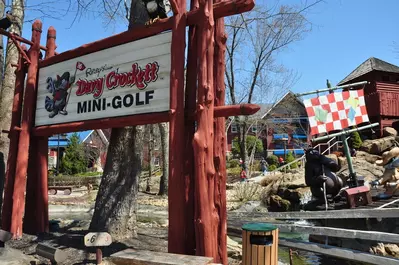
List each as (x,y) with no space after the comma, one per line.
(259,244)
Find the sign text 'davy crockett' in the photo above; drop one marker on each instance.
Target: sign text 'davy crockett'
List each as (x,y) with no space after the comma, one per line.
(136,77)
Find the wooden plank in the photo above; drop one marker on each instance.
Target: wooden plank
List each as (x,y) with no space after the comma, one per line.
(342,253)
(138,257)
(337,214)
(235,229)
(339,232)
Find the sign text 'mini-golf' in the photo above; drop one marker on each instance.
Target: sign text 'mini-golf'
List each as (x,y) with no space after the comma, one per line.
(128,79)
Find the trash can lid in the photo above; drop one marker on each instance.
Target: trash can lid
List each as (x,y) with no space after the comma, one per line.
(261,227)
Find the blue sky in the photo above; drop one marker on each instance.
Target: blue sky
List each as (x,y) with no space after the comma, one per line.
(345,33)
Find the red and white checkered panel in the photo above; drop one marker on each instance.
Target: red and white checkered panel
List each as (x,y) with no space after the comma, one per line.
(336,111)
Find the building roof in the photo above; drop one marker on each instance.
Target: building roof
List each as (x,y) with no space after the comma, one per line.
(288,94)
(371,64)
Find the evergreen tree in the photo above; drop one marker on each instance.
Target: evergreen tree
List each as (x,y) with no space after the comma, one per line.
(74,160)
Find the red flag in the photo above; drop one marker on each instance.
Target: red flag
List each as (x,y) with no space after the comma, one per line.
(80,66)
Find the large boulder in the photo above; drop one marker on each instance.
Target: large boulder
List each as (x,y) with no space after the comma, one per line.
(389,131)
(342,161)
(293,195)
(368,157)
(277,204)
(378,146)
(363,168)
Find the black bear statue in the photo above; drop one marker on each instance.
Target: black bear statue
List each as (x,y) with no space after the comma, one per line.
(320,169)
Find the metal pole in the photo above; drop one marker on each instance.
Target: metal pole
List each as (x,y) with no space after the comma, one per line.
(345,132)
(332,88)
(352,174)
(58,155)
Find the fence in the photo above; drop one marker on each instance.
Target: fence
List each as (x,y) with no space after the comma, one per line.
(235,223)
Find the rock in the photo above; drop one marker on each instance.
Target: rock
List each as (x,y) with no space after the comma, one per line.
(333,157)
(366,156)
(378,250)
(293,195)
(378,146)
(389,131)
(392,250)
(277,204)
(342,162)
(363,168)
(10,256)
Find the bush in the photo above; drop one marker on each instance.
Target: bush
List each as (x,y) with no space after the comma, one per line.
(272,160)
(246,191)
(272,168)
(236,171)
(356,140)
(233,163)
(289,159)
(250,141)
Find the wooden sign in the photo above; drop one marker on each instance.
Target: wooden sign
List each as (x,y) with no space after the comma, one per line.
(100,239)
(132,78)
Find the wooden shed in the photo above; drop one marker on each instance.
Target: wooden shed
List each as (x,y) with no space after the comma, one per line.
(382,92)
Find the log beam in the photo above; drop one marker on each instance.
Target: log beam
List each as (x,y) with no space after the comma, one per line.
(24,138)
(13,134)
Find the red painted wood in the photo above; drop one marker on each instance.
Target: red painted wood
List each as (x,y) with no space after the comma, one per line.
(234,110)
(19,38)
(190,105)
(220,143)
(14,137)
(36,208)
(24,138)
(178,224)
(206,216)
(223,9)
(106,123)
(118,39)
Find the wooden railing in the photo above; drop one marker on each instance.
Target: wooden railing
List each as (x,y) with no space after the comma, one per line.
(235,223)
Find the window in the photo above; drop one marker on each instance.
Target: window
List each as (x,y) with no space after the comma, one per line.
(234,128)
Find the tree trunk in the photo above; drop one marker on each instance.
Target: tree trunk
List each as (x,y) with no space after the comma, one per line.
(7,88)
(116,204)
(163,184)
(242,137)
(376,147)
(150,155)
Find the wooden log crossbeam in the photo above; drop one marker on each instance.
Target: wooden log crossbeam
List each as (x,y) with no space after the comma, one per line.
(19,38)
(19,48)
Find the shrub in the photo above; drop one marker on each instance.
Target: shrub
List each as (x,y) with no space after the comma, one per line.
(271,168)
(289,159)
(356,140)
(250,141)
(233,163)
(246,191)
(236,171)
(272,160)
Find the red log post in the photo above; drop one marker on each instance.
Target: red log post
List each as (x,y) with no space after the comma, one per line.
(220,148)
(178,224)
(26,126)
(189,124)
(36,208)
(206,216)
(14,137)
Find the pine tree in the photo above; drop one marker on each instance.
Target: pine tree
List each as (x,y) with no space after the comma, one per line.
(74,160)
(356,140)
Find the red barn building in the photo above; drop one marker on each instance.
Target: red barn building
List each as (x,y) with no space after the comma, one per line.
(382,92)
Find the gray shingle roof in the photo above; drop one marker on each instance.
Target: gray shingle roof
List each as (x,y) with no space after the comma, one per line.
(371,64)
